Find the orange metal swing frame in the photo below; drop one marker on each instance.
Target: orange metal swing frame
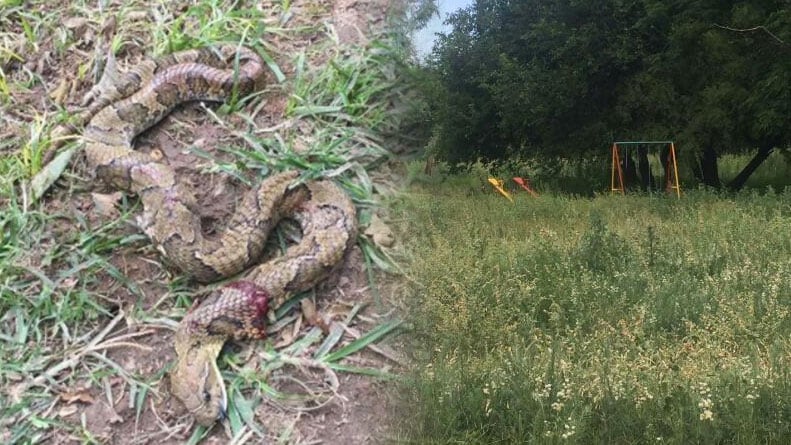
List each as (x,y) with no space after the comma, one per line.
(671,181)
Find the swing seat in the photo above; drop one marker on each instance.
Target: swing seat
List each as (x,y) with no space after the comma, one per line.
(498,185)
(525,184)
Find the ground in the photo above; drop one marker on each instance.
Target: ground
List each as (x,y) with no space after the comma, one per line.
(110,385)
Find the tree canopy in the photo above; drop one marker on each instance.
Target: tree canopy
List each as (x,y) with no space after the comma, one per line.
(568,77)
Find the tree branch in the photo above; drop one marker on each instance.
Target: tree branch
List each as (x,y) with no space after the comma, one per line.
(753,29)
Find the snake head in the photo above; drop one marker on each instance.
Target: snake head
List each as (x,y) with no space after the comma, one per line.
(237,310)
(197,382)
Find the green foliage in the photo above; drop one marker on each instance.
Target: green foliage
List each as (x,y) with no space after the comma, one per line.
(637,319)
(601,250)
(587,176)
(568,78)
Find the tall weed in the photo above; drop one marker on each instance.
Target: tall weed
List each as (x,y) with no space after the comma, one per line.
(615,319)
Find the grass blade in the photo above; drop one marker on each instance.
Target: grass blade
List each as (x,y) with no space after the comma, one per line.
(367,339)
(44,179)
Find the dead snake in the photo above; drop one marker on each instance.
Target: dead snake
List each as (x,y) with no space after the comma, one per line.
(128,105)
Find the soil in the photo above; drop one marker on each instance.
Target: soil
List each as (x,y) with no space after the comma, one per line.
(357,414)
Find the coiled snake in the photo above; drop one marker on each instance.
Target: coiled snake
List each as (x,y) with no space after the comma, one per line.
(130,104)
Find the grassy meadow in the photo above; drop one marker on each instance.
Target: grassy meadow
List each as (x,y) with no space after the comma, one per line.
(612,319)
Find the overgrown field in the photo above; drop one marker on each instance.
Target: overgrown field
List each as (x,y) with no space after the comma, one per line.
(637,319)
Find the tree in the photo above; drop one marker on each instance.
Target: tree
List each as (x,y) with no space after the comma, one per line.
(566,77)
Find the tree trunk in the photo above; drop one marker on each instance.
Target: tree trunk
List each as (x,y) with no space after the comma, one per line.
(430,163)
(706,170)
(738,182)
(629,169)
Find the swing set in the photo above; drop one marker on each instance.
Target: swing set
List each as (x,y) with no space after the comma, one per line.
(621,160)
(671,165)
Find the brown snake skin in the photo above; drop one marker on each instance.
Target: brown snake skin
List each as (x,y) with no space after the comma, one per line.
(137,100)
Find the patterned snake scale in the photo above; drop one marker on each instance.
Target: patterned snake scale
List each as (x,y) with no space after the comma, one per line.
(136,100)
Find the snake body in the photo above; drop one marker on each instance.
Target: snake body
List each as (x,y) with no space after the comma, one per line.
(128,105)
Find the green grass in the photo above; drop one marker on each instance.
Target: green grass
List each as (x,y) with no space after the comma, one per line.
(61,286)
(774,172)
(590,175)
(637,319)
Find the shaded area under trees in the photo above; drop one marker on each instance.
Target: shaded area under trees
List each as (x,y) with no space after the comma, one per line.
(566,78)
